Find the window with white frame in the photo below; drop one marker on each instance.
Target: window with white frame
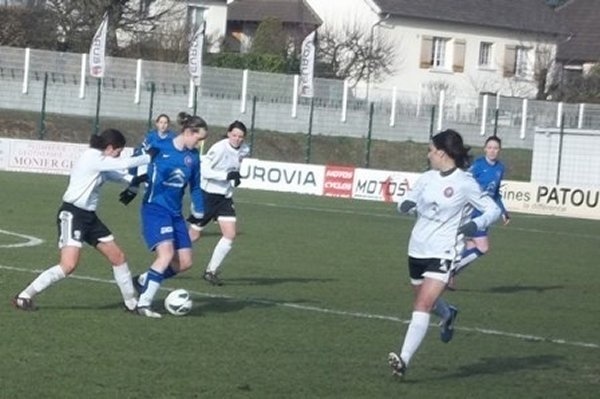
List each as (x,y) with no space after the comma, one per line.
(438,54)
(485,54)
(522,65)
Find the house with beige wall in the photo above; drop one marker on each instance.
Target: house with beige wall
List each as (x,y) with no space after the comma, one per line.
(465,47)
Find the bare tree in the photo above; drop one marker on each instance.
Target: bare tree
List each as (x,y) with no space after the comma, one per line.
(77,21)
(351,54)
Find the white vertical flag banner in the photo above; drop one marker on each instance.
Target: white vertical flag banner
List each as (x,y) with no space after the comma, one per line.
(307,66)
(195,54)
(97,49)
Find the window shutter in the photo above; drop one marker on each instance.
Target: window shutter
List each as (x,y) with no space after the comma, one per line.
(510,59)
(459,55)
(426,52)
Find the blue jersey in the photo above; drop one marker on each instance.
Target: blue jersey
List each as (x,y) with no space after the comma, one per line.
(489,176)
(169,174)
(152,139)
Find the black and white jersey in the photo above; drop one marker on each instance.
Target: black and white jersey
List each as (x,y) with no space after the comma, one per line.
(444,203)
(221,159)
(91,170)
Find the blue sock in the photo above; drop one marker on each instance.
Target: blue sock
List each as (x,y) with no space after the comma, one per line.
(169,272)
(468,256)
(441,308)
(151,286)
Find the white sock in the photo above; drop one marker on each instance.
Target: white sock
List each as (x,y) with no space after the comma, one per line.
(219,253)
(43,281)
(414,335)
(148,295)
(123,279)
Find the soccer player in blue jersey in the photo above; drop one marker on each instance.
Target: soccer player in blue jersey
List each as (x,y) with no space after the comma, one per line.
(488,170)
(151,139)
(164,228)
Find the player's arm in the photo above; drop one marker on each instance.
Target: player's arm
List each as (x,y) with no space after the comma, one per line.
(409,204)
(197,200)
(498,199)
(210,165)
(490,212)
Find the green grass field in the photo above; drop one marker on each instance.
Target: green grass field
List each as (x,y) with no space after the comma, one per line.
(316,295)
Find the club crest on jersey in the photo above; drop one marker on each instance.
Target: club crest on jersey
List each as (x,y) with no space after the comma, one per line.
(187,160)
(448,192)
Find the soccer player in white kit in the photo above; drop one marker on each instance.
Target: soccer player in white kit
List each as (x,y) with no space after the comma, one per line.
(220,175)
(77,220)
(443,199)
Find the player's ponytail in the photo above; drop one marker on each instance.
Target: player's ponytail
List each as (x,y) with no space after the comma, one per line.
(187,121)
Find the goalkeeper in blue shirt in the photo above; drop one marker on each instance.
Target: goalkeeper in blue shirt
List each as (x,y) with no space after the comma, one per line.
(488,170)
(163,226)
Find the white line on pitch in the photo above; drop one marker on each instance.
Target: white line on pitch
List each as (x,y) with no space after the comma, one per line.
(31,241)
(361,315)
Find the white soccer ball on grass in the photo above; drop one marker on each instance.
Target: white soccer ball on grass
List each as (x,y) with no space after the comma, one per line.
(178,302)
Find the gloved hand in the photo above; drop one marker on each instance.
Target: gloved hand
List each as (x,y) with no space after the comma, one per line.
(234,176)
(406,206)
(468,229)
(137,180)
(153,152)
(127,195)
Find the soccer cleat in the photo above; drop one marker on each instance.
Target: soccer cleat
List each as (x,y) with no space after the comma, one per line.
(147,312)
(212,278)
(447,326)
(23,303)
(139,288)
(397,364)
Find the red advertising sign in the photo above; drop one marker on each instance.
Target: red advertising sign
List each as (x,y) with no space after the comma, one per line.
(338,181)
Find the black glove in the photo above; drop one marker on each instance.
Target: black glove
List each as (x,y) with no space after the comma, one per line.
(153,152)
(137,180)
(128,195)
(235,176)
(406,206)
(468,229)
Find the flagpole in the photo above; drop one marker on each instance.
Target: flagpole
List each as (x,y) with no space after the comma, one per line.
(98,64)
(98,97)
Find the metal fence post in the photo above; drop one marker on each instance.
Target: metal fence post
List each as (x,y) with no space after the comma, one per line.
(42,129)
(151,106)
(310,124)
(560,147)
(98,98)
(252,125)
(369,135)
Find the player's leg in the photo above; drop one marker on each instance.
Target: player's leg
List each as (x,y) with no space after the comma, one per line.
(69,220)
(476,247)
(69,256)
(223,247)
(154,278)
(113,253)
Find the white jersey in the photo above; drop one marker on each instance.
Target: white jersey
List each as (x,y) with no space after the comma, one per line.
(221,159)
(444,203)
(91,170)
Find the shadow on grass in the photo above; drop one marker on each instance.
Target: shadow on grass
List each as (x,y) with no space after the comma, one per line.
(512,289)
(501,365)
(256,280)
